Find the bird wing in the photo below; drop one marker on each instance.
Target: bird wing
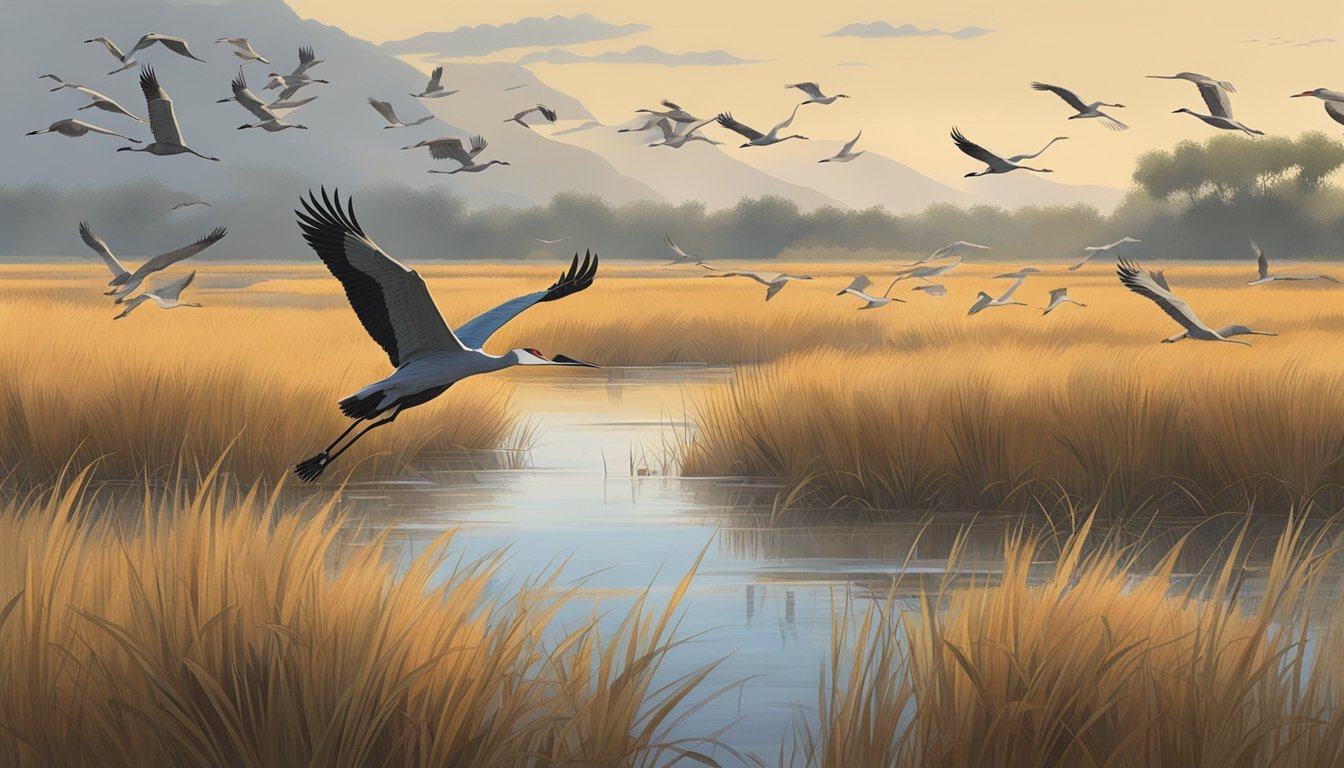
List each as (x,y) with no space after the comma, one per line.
(132,304)
(244,96)
(1057,294)
(1215,98)
(1012,288)
(976,151)
(442,149)
(389,298)
(547,113)
(162,120)
(859,283)
(112,47)
(385,109)
(99,247)
(671,105)
(726,120)
(173,290)
(1261,262)
(773,288)
(846,149)
(811,89)
(1088,253)
(675,248)
(79,128)
(435,80)
(666,127)
(176,45)
(785,123)
(478,145)
(1064,93)
(1154,287)
(1335,110)
(950,247)
(306,60)
(165,260)
(475,332)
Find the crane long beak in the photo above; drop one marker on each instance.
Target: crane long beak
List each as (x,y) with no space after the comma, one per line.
(567,360)
(1306,93)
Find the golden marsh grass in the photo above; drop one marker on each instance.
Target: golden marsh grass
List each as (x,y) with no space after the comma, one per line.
(1096,663)
(213,629)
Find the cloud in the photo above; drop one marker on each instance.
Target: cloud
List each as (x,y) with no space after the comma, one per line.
(532,31)
(642,54)
(883,29)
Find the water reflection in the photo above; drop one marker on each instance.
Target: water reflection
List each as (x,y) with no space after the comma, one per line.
(768,585)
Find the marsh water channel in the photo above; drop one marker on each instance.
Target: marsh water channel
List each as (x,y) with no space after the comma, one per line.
(591,498)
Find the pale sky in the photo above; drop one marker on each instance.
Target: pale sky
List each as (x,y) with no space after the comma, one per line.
(911,91)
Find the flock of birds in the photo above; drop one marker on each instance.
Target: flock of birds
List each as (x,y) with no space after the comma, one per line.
(395,307)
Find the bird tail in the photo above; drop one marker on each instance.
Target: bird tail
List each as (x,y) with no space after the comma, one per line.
(361,406)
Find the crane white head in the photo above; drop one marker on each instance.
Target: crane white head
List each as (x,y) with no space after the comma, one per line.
(528,356)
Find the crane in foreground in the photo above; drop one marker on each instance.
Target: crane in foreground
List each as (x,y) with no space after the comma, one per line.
(1152,285)
(398,312)
(166,296)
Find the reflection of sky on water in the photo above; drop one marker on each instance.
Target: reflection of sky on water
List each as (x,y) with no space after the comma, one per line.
(764,594)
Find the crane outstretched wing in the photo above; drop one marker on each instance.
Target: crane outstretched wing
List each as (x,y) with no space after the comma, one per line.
(389,298)
(1215,98)
(165,260)
(976,151)
(475,332)
(1153,286)
(162,119)
(99,247)
(1064,93)
(811,89)
(1261,262)
(726,120)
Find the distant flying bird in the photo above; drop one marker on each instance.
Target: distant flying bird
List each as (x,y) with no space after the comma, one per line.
(1037,153)
(97,100)
(177,45)
(1084,110)
(390,115)
(858,288)
(190,203)
(395,307)
(544,241)
(307,60)
(993,163)
(754,137)
(452,149)
(814,94)
(434,90)
(162,121)
(948,250)
(272,125)
(674,113)
(1153,286)
(984,300)
(76,128)
(1216,98)
(1225,331)
(846,152)
(167,296)
(925,272)
(290,84)
(541,109)
(122,58)
(774,282)
(933,289)
(1334,102)
(515,87)
(682,256)
(253,103)
(124,281)
(677,140)
(244,49)
(1092,251)
(1059,296)
(1262,263)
